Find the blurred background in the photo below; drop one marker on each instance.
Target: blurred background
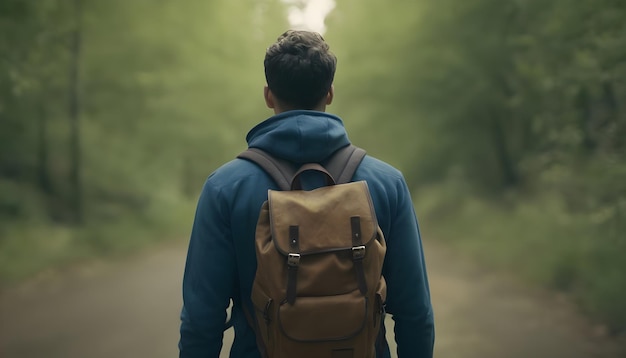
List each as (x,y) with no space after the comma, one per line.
(506,117)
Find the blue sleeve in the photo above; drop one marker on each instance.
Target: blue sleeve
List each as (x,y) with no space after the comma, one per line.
(408,293)
(209,278)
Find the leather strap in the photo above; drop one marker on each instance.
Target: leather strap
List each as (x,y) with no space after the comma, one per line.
(296,183)
(344,163)
(293,261)
(341,165)
(280,170)
(358,253)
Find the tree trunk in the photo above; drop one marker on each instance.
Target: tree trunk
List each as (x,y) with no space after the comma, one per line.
(43,169)
(510,177)
(74,112)
(583,102)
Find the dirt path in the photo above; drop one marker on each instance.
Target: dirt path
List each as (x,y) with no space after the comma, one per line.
(130,309)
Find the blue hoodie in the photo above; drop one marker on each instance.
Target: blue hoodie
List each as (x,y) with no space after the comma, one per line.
(221,261)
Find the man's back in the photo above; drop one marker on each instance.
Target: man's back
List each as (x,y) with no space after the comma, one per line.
(222,262)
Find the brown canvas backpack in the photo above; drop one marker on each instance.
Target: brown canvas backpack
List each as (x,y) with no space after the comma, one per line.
(318,290)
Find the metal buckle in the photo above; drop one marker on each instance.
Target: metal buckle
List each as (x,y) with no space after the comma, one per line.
(293,259)
(358,252)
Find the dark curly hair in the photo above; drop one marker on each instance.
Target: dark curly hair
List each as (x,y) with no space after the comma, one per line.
(299,69)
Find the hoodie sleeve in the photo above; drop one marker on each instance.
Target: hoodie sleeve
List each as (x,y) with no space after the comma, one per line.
(208,279)
(408,298)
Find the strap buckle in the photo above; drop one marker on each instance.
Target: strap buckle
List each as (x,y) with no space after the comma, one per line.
(358,252)
(293,260)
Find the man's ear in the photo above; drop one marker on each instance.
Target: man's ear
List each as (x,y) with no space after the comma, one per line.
(269,97)
(330,95)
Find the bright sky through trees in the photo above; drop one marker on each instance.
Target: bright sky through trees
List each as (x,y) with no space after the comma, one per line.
(309,14)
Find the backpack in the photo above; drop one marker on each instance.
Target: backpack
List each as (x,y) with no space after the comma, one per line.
(318,290)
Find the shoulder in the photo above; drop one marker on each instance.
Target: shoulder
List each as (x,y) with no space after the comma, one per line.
(386,182)
(380,175)
(233,173)
(388,189)
(371,166)
(235,183)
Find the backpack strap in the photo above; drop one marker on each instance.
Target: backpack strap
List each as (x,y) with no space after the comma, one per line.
(280,170)
(341,165)
(344,162)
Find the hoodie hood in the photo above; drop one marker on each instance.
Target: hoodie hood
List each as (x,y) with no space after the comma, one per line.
(299,136)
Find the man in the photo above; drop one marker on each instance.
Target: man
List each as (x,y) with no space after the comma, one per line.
(221,261)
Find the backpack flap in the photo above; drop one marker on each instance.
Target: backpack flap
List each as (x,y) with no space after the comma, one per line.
(316,212)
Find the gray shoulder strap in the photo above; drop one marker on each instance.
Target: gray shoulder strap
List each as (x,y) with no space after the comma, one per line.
(344,162)
(280,170)
(341,165)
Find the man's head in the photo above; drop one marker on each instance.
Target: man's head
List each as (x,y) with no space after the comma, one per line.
(299,69)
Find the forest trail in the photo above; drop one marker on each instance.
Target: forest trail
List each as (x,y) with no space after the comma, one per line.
(129,308)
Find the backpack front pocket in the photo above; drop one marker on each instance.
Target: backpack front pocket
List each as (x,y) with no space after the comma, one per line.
(324,318)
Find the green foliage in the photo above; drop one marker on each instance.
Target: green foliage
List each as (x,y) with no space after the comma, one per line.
(538,238)
(163,94)
(507,118)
